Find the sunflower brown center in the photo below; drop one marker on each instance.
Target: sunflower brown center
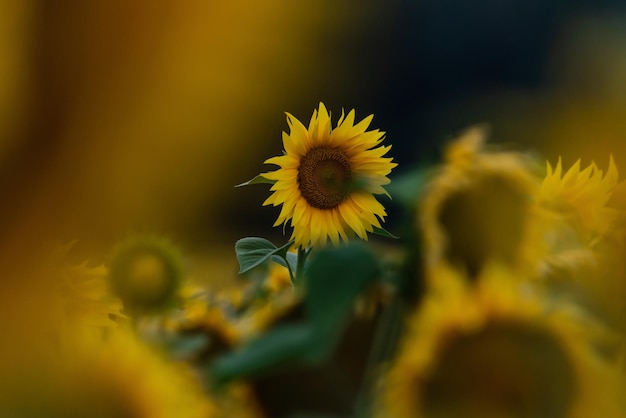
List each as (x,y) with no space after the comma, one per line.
(324,177)
(506,370)
(483,221)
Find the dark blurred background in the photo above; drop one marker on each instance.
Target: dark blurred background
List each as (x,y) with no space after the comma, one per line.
(121,117)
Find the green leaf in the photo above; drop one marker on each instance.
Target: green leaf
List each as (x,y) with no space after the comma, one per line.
(259,179)
(290,260)
(383,232)
(334,279)
(281,344)
(253,251)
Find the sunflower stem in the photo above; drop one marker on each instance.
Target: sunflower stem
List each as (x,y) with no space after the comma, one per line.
(384,342)
(292,277)
(302,255)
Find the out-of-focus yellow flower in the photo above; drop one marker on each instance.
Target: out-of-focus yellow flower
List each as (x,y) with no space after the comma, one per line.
(262,314)
(86,298)
(146,274)
(328,178)
(114,377)
(230,318)
(478,207)
(585,236)
(81,300)
(205,313)
(201,311)
(499,349)
(277,279)
(581,196)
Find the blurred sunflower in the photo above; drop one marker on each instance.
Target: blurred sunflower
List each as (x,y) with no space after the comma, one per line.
(201,311)
(86,298)
(585,239)
(261,315)
(479,207)
(213,316)
(82,298)
(328,178)
(581,196)
(78,297)
(234,316)
(277,279)
(146,273)
(114,377)
(499,349)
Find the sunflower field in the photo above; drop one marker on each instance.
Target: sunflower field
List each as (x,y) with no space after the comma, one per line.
(437,248)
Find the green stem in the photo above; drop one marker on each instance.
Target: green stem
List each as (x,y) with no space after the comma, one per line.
(302,255)
(291,273)
(385,338)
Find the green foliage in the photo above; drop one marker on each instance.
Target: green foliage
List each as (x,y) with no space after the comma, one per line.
(259,179)
(290,261)
(253,251)
(283,344)
(383,232)
(335,277)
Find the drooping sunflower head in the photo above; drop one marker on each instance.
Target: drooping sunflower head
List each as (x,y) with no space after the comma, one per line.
(499,349)
(478,207)
(328,178)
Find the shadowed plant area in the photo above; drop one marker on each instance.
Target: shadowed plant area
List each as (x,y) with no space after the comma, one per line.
(312,209)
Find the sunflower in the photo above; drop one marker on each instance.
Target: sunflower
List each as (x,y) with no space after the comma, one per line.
(585,243)
(328,178)
(229,318)
(146,273)
(202,313)
(277,279)
(263,314)
(86,299)
(500,349)
(478,207)
(581,196)
(104,378)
